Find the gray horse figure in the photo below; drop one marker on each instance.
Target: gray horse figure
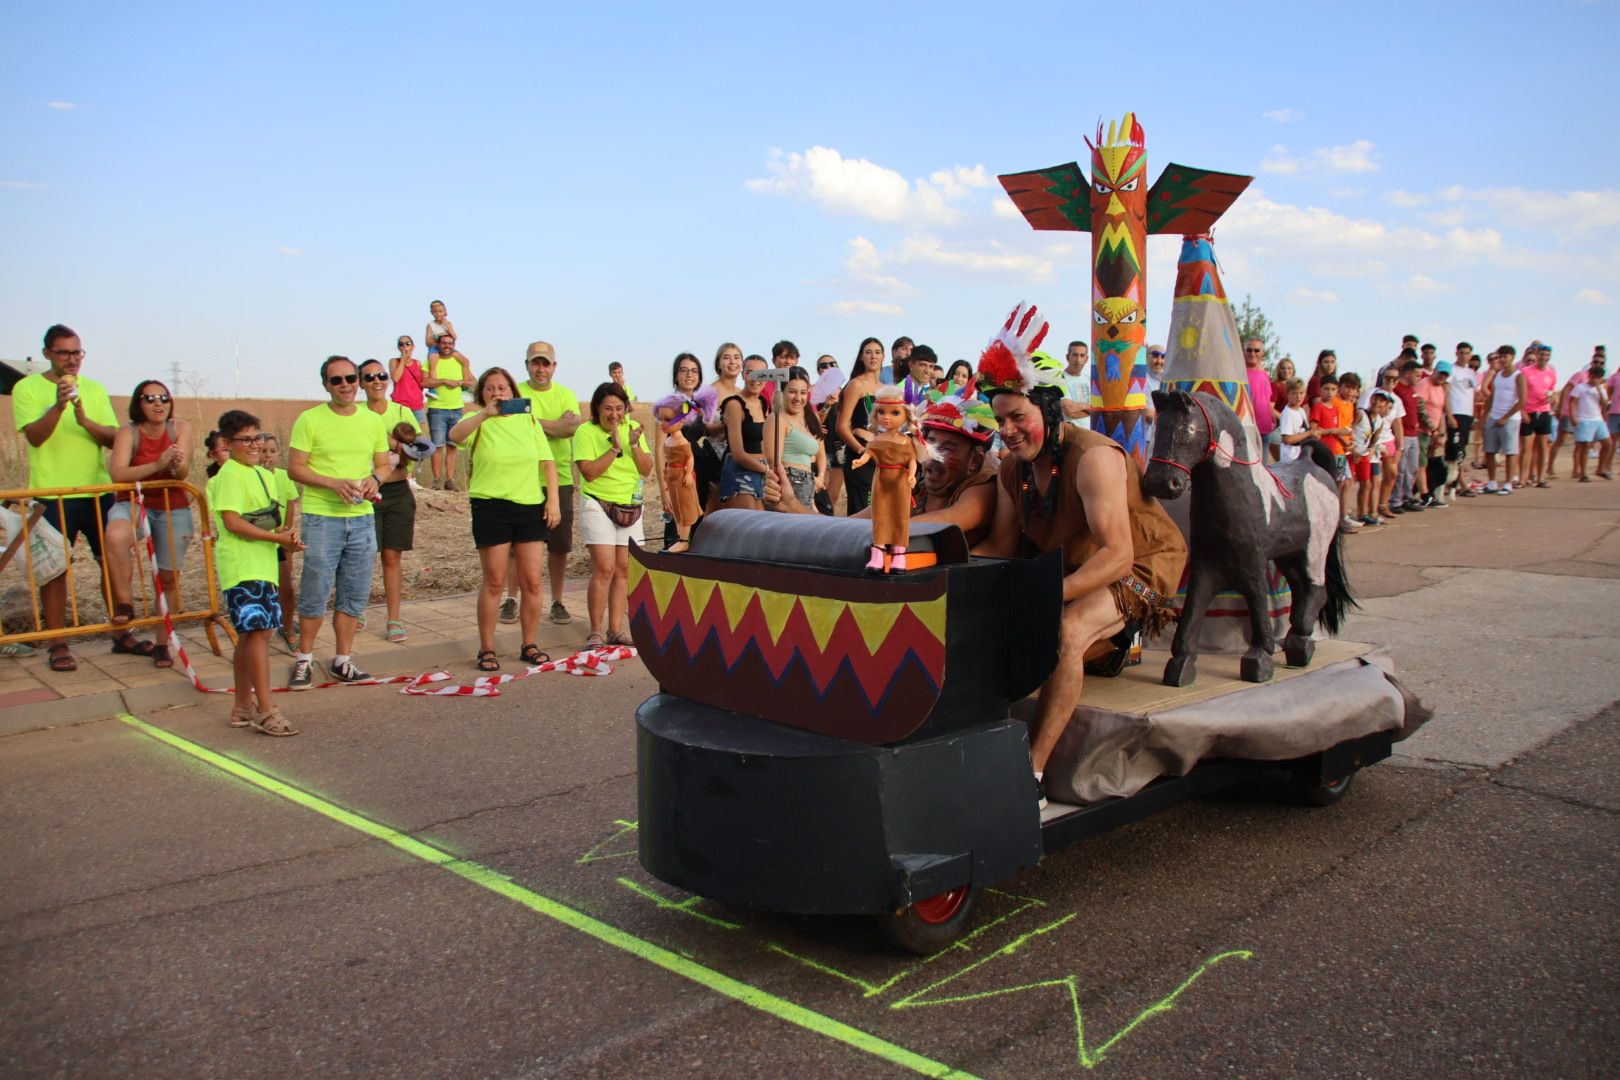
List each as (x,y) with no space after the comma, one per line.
(1244,514)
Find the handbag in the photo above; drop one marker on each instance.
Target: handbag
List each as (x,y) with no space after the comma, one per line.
(623,515)
(267,518)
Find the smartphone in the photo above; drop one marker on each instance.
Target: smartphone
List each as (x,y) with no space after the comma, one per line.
(514,406)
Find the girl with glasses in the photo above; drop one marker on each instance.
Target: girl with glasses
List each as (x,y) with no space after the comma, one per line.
(153,447)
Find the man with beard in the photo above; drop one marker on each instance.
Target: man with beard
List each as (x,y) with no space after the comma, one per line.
(1064,488)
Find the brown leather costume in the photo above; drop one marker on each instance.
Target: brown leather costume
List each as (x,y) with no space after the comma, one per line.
(983,476)
(1159,550)
(891,491)
(679,482)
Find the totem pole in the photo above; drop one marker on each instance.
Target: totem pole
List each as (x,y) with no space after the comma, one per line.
(1120,211)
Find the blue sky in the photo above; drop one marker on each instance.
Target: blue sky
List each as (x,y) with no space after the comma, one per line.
(629,181)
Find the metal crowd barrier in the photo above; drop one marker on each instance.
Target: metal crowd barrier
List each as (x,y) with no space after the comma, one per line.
(30,504)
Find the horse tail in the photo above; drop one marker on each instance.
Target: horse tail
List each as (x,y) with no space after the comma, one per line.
(1339,600)
(1322,456)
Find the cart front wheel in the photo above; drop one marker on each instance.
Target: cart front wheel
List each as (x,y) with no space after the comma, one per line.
(928,926)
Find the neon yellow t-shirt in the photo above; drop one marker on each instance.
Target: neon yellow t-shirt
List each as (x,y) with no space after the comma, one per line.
(621,483)
(243,489)
(71,457)
(506,455)
(447,397)
(550,404)
(342,447)
(285,490)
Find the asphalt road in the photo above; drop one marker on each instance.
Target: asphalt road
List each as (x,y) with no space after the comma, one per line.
(426,887)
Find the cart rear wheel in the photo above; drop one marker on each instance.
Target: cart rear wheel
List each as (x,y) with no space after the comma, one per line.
(1313,792)
(928,926)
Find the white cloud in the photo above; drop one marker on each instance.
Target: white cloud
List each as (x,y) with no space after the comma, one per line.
(932,251)
(22,185)
(1281,116)
(285,250)
(1004,208)
(61,106)
(1407,199)
(865,265)
(865,189)
(1423,285)
(1301,295)
(1356,157)
(865,307)
(1593,296)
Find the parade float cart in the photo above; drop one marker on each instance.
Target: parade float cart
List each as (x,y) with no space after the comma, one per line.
(830,741)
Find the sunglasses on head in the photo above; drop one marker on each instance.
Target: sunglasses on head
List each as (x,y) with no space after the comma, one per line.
(154,399)
(338,380)
(375,376)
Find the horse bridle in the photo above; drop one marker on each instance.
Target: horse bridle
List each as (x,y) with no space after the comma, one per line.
(1216,448)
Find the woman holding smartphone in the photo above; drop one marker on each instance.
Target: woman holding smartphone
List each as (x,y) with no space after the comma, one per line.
(513,492)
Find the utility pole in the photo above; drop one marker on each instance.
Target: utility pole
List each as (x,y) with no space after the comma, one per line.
(239,367)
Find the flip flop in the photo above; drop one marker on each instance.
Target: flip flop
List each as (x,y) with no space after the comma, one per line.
(62,659)
(122,613)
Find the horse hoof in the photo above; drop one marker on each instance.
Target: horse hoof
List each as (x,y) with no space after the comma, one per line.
(1180,671)
(1256,669)
(1298,650)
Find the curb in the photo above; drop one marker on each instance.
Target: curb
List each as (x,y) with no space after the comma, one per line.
(452,654)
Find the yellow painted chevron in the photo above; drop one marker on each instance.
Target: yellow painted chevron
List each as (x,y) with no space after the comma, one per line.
(776,608)
(698,592)
(735,599)
(875,621)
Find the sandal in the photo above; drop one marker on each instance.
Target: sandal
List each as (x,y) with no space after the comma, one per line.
(395,632)
(129,645)
(617,637)
(531,654)
(594,641)
(1543,484)
(62,659)
(122,613)
(243,717)
(486,661)
(161,657)
(272,723)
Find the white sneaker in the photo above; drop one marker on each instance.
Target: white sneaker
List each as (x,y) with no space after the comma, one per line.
(1349,524)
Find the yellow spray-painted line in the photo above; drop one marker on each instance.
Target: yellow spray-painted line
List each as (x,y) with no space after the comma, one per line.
(498,883)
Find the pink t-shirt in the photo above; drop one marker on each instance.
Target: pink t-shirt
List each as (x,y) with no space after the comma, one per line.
(1260,398)
(1538,387)
(1614,394)
(1433,396)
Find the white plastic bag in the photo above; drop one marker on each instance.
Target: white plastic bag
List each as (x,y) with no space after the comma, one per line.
(45,547)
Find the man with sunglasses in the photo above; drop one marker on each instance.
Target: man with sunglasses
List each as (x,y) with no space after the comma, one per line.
(557,409)
(339,454)
(66,421)
(1265,420)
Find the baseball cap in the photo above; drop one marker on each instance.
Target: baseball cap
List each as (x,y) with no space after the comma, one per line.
(1443,367)
(541,348)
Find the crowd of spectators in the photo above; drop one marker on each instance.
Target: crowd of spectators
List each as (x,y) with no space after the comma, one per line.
(761,434)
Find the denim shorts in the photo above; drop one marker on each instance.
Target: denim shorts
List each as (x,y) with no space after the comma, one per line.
(341,553)
(1503,439)
(440,421)
(736,480)
(1590,431)
(159,524)
(1614,425)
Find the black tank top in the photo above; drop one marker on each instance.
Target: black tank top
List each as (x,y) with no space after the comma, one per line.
(753,431)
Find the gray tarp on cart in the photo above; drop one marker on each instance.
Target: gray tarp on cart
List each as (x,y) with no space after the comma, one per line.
(1131,730)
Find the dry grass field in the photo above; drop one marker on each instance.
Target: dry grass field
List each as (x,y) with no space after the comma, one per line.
(443,563)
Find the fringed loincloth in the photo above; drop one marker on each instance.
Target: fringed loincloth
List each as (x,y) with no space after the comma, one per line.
(1140,603)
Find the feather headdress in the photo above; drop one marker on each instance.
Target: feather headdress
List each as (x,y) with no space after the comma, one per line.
(1006,365)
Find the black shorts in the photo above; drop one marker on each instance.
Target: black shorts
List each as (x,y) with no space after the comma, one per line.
(85,515)
(394,515)
(1457,437)
(561,539)
(501,521)
(1536,423)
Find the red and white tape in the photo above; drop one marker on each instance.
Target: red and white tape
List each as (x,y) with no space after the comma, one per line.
(586,662)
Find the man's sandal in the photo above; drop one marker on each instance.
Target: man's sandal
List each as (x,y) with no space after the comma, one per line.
(531,654)
(487,661)
(62,659)
(129,645)
(272,723)
(395,632)
(161,657)
(122,613)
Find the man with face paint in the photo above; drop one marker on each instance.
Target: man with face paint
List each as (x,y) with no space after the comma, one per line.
(956,486)
(1064,488)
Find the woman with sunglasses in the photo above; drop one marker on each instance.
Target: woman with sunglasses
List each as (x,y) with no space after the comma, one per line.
(152,447)
(406,372)
(686,379)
